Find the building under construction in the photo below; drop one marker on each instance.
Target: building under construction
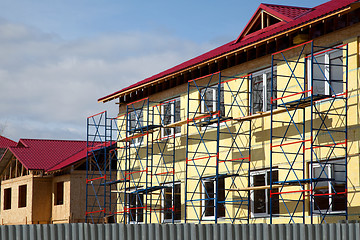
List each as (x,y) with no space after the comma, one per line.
(264,129)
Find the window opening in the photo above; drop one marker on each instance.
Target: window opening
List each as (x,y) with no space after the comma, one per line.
(168,202)
(59,196)
(7,198)
(260,199)
(22,196)
(328,69)
(135,125)
(136,207)
(209,197)
(171,114)
(261,89)
(329,194)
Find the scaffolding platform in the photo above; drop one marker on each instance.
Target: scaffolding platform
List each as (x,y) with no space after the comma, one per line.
(304,102)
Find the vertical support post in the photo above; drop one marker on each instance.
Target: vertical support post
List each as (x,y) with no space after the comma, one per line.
(187,152)
(250,138)
(271,134)
(87,169)
(127,216)
(105,165)
(346,125)
(173,165)
(218,106)
(311,132)
(148,165)
(303,143)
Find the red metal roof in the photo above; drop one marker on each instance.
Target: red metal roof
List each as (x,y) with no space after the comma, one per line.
(38,154)
(285,13)
(5,142)
(288,11)
(304,17)
(69,161)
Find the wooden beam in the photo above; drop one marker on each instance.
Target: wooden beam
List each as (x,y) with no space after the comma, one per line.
(260,115)
(137,135)
(255,188)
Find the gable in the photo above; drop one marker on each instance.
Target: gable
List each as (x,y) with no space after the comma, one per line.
(11,167)
(262,20)
(6,142)
(269,16)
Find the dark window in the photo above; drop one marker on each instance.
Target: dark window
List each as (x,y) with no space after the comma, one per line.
(260,199)
(22,196)
(7,198)
(168,202)
(59,193)
(210,195)
(257,93)
(136,203)
(329,190)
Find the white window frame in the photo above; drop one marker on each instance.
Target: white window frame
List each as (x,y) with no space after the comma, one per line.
(172,103)
(264,73)
(330,190)
(163,201)
(136,210)
(203,109)
(203,202)
(327,70)
(139,140)
(252,196)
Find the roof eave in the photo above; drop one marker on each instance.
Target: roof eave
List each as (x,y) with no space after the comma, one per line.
(345,9)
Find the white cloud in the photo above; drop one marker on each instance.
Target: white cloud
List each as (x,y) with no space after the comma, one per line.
(48,86)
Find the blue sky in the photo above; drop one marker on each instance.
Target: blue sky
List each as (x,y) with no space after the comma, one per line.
(59,57)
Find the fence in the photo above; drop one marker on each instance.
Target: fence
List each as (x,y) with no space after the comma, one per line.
(82,231)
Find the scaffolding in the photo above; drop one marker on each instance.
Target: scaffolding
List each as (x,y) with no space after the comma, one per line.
(131,177)
(217,150)
(311,134)
(101,162)
(133,163)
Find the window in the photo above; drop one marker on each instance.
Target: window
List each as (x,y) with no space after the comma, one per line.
(260,199)
(209,100)
(328,69)
(209,195)
(7,198)
(168,202)
(135,124)
(22,196)
(59,193)
(136,206)
(329,194)
(170,114)
(261,91)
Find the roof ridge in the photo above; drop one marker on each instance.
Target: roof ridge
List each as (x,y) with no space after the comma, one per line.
(288,6)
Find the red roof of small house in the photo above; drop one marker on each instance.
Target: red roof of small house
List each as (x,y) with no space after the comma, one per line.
(39,154)
(69,161)
(295,16)
(5,142)
(77,156)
